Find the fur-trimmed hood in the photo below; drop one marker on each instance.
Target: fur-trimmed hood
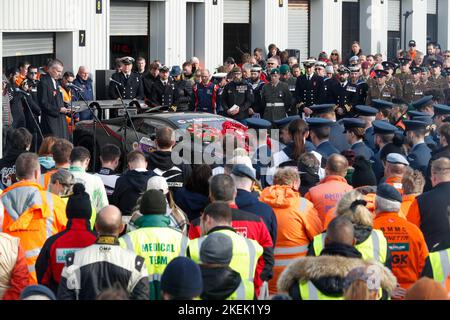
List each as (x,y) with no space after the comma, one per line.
(328,273)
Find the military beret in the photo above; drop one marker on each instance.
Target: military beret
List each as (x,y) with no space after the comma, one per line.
(441,109)
(275,71)
(319,122)
(285,121)
(127,60)
(415,70)
(284,69)
(365,65)
(422,102)
(397,158)
(322,108)
(353,123)
(411,125)
(388,192)
(383,127)
(404,61)
(425,69)
(435,64)
(258,123)
(363,110)
(236,70)
(382,104)
(381,73)
(343,69)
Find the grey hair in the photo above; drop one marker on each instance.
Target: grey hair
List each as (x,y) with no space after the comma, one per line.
(65,178)
(386,205)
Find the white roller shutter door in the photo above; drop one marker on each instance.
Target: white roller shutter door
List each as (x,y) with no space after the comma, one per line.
(298,27)
(394,15)
(27,43)
(129,18)
(432,7)
(236,11)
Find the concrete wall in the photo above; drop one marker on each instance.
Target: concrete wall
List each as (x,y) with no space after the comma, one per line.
(326,26)
(373,26)
(416,27)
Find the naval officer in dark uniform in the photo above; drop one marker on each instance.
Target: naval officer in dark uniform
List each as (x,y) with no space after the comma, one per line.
(164,92)
(309,89)
(130,87)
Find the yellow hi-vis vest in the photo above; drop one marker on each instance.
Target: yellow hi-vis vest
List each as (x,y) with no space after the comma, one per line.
(246,253)
(308,291)
(440,264)
(158,246)
(374,247)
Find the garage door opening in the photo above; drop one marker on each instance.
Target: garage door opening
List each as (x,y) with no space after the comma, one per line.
(236,29)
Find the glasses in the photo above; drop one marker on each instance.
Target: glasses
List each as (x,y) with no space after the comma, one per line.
(334,54)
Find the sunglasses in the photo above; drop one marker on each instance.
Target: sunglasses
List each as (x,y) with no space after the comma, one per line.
(334,54)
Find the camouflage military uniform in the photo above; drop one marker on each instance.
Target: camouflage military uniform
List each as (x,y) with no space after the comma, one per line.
(439,82)
(396,84)
(385,93)
(414,91)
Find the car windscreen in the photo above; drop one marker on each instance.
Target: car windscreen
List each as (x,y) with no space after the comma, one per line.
(214,122)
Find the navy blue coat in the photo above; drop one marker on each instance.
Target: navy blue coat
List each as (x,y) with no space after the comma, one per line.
(248,201)
(326,149)
(369,139)
(192,203)
(338,138)
(362,150)
(419,157)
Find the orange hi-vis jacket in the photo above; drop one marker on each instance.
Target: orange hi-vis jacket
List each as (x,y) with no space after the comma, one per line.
(45,178)
(33,215)
(327,194)
(396,182)
(407,245)
(408,200)
(298,224)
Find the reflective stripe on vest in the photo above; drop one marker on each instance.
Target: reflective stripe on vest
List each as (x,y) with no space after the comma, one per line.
(440,264)
(377,253)
(184,244)
(49,222)
(297,250)
(240,292)
(32,253)
(308,291)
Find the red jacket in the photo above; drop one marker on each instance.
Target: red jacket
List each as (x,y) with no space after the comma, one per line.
(252,227)
(51,260)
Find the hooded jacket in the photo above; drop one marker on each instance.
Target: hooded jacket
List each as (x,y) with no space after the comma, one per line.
(248,201)
(8,167)
(50,262)
(192,203)
(328,271)
(298,223)
(160,162)
(128,189)
(219,283)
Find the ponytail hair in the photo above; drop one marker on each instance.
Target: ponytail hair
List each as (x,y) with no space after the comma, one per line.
(297,129)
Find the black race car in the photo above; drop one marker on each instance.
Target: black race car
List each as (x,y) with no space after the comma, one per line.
(184,123)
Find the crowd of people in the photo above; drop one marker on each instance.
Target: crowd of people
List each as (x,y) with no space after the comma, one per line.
(353,204)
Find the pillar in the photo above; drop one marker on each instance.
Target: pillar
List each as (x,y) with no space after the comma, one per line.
(168,31)
(373,26)
(416,27)
(326,26)
(269,24)
(444,24)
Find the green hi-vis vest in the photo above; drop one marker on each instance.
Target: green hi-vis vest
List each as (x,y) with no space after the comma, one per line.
(158,246)
(246,253)
(308,291)
(440,264)
(374,247)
